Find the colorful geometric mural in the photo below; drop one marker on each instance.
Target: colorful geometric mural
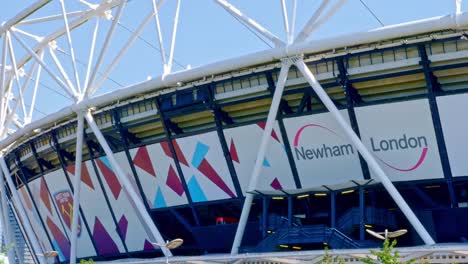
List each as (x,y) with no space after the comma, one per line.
(207,174)
(158,175)
(35,220)
(63,201)
(50,217)
(243,143)
(135,230)
(95,209)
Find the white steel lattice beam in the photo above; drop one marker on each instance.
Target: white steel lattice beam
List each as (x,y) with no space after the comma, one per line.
(70,46)
(159,30)
(44,65)
(168,67)
(3,100)
(250,22)
(316,21)
(119,56)
(110,34)
(284,11)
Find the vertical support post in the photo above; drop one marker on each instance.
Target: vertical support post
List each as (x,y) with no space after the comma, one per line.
(362,212)
(63,165)
(222,139)
(284,136)
(41,171)
(290,211)
(333,209)
(21,211)
(127,184)
(370,159)
(285,65)
(170,143)
(264,215)
(4,220)
(77,187)
(350,102)
(432,87)
(122,132)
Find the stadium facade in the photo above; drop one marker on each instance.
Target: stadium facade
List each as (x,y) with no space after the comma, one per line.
(184,147)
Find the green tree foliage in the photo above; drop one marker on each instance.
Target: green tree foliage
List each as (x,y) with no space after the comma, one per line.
(386,255)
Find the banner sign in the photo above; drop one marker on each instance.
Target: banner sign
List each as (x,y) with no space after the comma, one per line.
(322,153)
(402,138)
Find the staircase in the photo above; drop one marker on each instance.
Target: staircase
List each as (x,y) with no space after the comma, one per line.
(372,216)
(336,238)
(20,244)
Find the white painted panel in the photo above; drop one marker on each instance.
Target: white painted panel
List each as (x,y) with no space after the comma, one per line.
(243,143)
(204,167)
(322,153)
(453,110)
(401,136)
(158,175)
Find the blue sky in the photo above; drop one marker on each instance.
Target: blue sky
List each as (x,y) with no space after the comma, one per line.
(207,33)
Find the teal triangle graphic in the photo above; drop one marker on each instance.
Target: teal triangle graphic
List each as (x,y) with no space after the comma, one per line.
(266,163)
(195,190)
(199,154)
(159,201)
(106,161)
(57,248)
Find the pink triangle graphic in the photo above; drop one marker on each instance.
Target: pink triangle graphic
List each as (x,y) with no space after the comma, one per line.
(233,152)
(213,176)
(143,161)
(275,184)
(273,132)
(173,181)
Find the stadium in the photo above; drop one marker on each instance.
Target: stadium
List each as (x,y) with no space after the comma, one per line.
(265,157)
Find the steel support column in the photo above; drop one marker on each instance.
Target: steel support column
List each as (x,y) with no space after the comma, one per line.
(351,95)
(222,139)
(333,209)
(127,184)
(25,182)
(118,125)
(284,136)
(290,211)
(264,215)
(362,212)
(366,154)
(22,212)
(170,143)
(41,171)
(77,186)
(286,64)
(432,87)
(63,165)
(104,193)
(5,222)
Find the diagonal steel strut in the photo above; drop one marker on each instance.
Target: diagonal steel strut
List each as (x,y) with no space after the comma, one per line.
(283,75)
